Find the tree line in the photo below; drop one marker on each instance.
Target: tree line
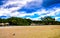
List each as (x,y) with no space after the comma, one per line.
(48,20)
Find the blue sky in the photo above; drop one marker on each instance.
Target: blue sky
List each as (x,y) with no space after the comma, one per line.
(30,9)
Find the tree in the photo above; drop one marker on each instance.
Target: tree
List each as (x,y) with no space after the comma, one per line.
(48,20)
(29,21)
(0,20)
(17,21)
(3,20)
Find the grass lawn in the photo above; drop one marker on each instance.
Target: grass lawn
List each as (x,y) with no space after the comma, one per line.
(52,31)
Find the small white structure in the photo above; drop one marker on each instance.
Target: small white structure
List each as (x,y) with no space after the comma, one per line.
(33,24)
(1,24)
(4,24)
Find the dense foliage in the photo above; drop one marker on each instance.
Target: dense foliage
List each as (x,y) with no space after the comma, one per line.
(20,21)
(17,21)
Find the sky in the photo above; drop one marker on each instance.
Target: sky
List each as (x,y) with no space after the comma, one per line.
(30,9)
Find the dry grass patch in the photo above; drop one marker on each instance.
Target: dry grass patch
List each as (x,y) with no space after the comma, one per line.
(30,32)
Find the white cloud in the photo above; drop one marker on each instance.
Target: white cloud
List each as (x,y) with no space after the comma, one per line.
(20,3)
(4,12)
(36,19)
(11,11)
(42,11)
(17,14)
(34,4)
(56,18)
(53,12)
(50,12)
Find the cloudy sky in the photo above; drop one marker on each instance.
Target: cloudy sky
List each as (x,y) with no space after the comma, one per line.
(30,9)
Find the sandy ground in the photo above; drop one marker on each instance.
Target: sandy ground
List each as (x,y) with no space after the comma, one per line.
(30,32)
